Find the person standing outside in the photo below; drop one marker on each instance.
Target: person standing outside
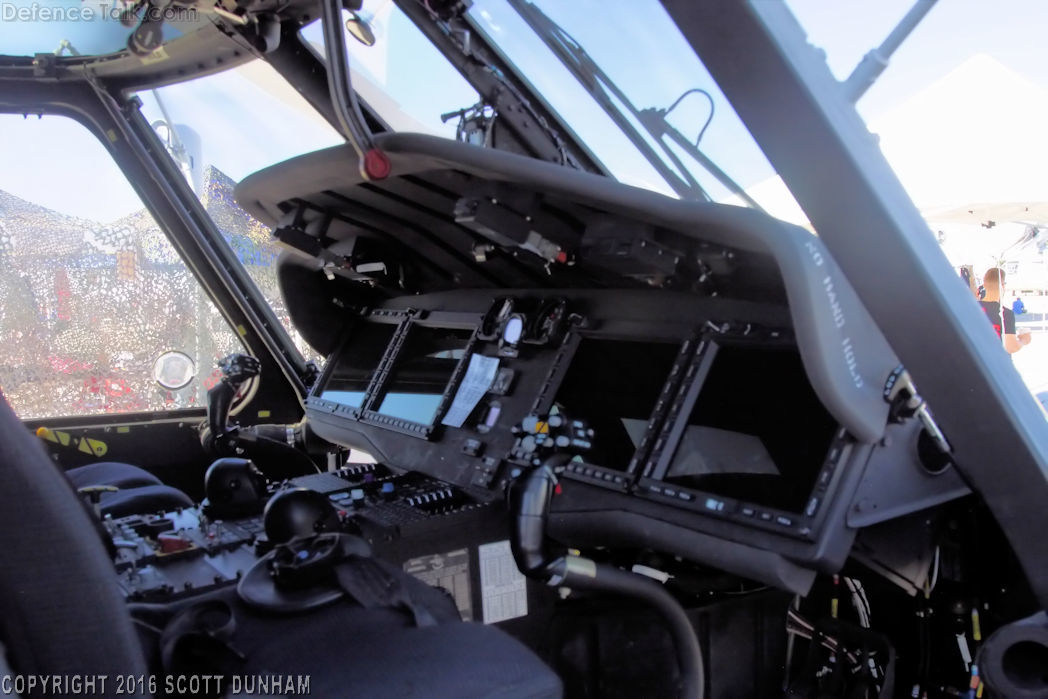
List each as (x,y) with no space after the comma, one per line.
(1002,318)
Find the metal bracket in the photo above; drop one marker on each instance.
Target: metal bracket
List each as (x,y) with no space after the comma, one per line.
(901,393)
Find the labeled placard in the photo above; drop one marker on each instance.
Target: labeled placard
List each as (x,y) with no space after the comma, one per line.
(504,589)
(447,570)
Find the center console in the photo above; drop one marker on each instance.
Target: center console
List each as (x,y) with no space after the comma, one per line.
(431,529)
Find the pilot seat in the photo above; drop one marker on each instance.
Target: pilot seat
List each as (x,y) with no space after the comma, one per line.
(61,614)
(138,491)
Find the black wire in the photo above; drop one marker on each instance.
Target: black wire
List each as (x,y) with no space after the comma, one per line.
(713,108)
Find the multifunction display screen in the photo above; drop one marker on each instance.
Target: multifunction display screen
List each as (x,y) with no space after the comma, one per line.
(421,373)
(614,385)
(757,431)
(355,365)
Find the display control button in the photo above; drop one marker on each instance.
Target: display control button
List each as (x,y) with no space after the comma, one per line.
(748,511)
(784,521)
(670,492)
(812,508)
(765,516)
(472,447)
(687,497)
(714,505)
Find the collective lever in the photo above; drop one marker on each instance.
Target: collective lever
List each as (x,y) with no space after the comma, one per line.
(530,497)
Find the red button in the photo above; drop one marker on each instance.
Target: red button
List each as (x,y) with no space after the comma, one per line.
(172,543)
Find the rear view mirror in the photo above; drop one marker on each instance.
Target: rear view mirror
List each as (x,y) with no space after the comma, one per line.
(358,26)
(174,370)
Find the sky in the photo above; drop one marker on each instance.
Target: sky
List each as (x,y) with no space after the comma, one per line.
(1010,31)
(959,112)
(248,119)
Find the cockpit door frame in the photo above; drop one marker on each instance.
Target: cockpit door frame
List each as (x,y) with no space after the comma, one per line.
(156,179)
(800,115)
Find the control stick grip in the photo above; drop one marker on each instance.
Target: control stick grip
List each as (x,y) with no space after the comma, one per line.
(219,403)
(236,370)
(529,503)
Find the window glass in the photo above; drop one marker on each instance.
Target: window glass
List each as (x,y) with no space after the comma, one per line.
(84,28)
(631,88)
(401,76)
(220,129)
(93,293)
(958,113)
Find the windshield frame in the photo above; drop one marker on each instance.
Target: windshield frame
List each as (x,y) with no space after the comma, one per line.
(654,125)
(156,179)
(759,55)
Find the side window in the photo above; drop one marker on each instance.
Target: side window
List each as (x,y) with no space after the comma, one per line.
(221,128)
(93,294)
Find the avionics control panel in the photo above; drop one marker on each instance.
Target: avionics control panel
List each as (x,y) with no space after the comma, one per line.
(713,376)
(167,556)
(477,389)
(685,425)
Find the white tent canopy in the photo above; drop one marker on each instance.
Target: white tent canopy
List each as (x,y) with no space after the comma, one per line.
(971,137)
(968,150)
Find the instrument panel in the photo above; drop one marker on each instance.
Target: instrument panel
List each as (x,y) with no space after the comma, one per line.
(708,377)
(686,425)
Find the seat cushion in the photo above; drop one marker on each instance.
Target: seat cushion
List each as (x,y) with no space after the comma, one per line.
(371,654)
(349,651)
(112,473)
(143,500)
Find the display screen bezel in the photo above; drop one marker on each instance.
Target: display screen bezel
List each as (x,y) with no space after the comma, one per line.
(584,467)
(316,395)
(405,321)
(653,483)
(383,389)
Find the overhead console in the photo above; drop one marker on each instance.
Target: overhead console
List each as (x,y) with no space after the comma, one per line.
(711,382)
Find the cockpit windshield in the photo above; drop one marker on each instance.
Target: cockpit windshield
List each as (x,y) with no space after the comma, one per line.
(85,28)
(660,123)
(400,75)
(221,128)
